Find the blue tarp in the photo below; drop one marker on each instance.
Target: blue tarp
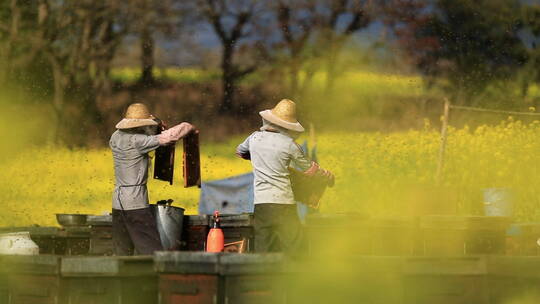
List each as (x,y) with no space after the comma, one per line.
(232,195)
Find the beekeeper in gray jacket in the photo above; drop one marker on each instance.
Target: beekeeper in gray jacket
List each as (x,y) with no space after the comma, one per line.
(134,225)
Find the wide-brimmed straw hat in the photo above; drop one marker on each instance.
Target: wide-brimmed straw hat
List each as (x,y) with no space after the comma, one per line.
(137,115)
(283,115)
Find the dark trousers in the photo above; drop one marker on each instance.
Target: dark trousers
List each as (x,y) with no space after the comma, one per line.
(277,228)
(135,229)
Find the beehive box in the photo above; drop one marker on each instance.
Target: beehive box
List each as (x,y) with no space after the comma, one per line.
(445,280)
(345,279)
(29,279)
(524,239)
(115,280)
(328,234)
(200,277)
(463,235)
(395,236)
(514,279)
(100,235)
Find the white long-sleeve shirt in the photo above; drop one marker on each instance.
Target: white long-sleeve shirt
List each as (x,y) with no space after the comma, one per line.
(271,153)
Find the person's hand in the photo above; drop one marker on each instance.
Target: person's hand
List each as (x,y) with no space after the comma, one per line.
(163,126)
(329,176)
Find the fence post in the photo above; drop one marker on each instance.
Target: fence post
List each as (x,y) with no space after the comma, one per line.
(444,136)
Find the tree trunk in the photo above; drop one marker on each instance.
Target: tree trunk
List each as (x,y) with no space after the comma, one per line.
(294,74)
(228,80)
(331,67)
(147,57)
(58,96)
(12,37)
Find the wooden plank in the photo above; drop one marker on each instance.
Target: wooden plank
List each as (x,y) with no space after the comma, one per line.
(164,163)
(192,161)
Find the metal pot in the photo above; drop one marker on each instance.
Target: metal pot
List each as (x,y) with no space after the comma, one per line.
(71,219)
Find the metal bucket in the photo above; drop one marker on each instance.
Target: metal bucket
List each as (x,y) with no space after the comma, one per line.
(169,221)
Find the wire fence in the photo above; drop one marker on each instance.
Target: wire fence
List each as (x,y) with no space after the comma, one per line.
(444,129)
(473,109)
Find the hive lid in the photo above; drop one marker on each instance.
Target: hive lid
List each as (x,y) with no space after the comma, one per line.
(30,264)
(333,219)
(445,266)
(34,230)
(196,220)
(236,220)
(394,222)
(465,222)
(107,266)
(186,262)
(514,266)
(234,263)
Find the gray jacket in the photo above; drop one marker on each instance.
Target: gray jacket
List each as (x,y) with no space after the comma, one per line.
(130,154)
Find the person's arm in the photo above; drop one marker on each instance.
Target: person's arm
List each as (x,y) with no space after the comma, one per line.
(243,149)
(308,168)
(145,143)
(175,133)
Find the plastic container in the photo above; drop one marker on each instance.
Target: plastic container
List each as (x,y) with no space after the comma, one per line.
(18,243)
(498,202)
(44,237)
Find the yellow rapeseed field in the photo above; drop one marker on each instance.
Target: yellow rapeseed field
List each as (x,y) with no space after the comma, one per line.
(380,174)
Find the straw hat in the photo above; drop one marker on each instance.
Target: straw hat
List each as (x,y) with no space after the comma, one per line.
(137,115)
(283,115)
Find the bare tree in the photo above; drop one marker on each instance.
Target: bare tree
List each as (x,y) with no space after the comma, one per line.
(74,41)
(233,22)
(297,21)
(338,20)
(150,17)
